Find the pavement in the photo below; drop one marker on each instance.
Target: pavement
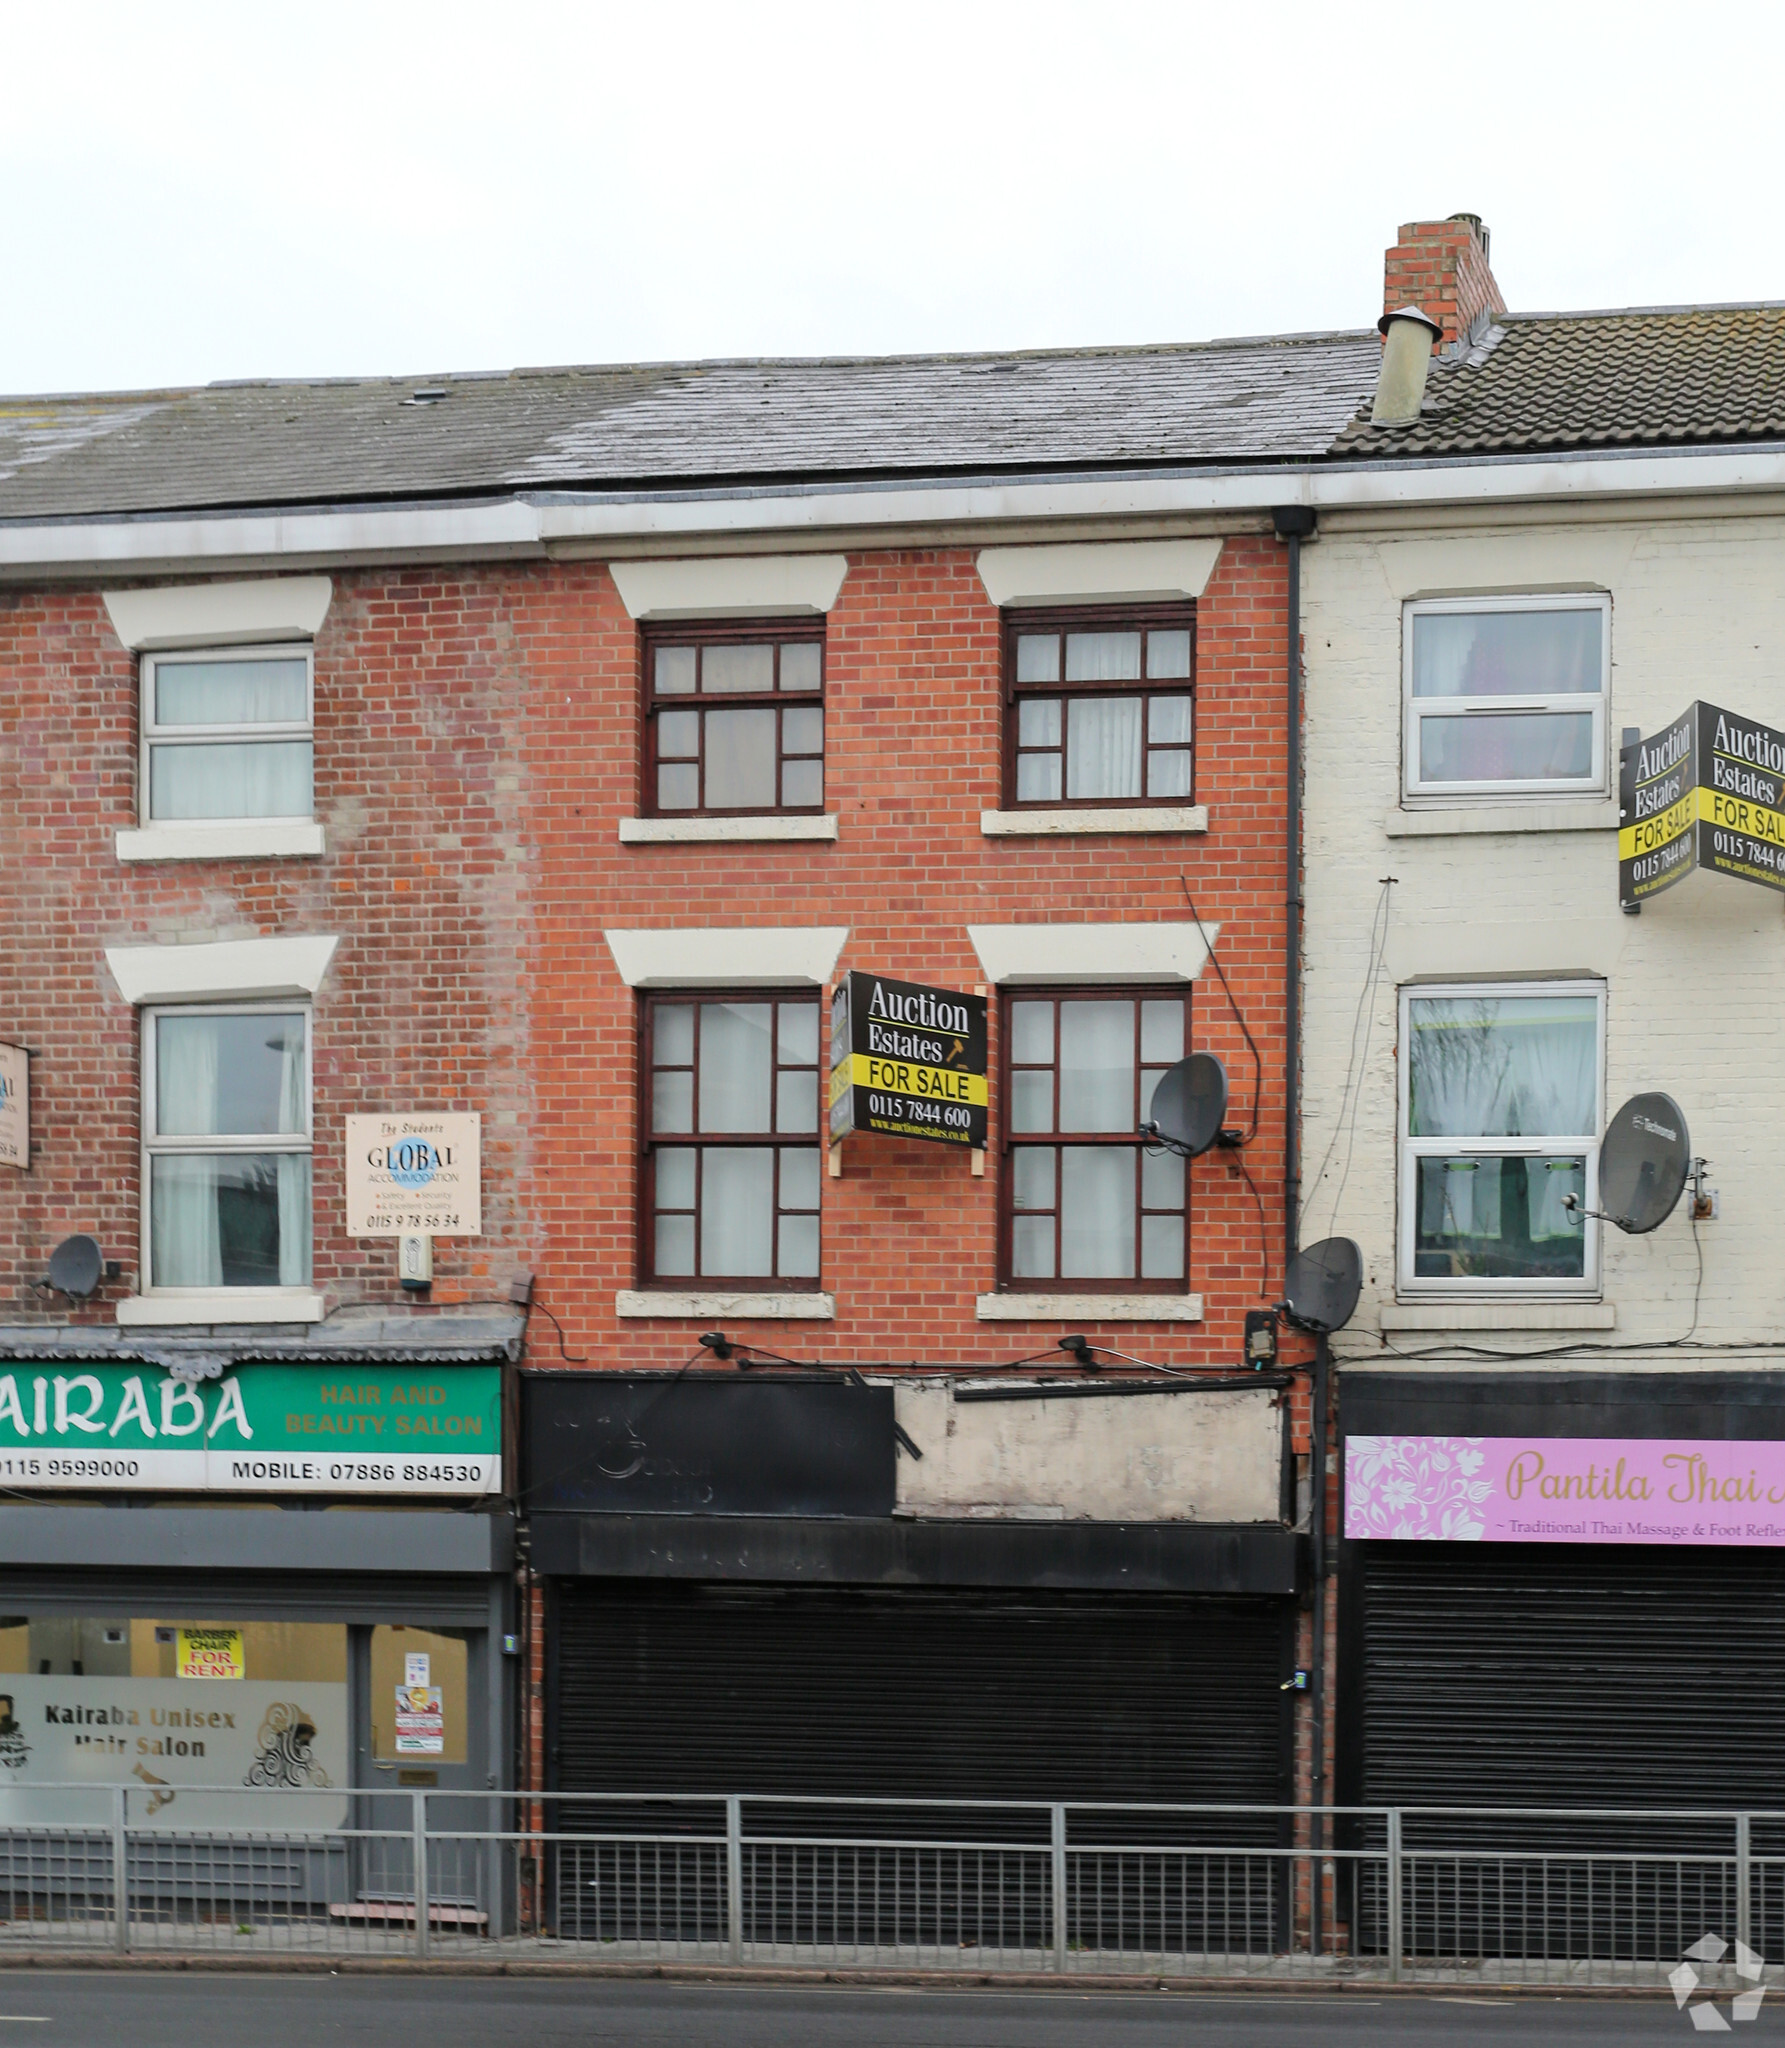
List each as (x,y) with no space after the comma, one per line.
(178,2009)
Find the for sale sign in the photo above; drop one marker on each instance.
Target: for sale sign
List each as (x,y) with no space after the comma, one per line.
(907,1061)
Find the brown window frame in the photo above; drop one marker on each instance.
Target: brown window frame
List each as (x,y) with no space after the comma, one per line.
(1013,1142)
(1063,619)
(652,1143)
(700,635)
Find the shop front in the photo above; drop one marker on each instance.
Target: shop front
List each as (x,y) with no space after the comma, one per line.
(760,1586)
(1562,1590)
(292,1577)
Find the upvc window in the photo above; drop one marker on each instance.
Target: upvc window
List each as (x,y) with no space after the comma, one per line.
(226,1146)
(1098,706)
(1500,1119)
(1084,1200)
(1506,696)
(732,1155)
(227,733)
(734,719)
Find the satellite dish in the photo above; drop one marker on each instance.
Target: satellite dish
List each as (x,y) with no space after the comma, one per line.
(1643,1163)
(1324,1282)
(75,1266)
(1189,1105)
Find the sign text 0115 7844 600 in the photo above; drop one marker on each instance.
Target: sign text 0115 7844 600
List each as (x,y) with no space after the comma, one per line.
(1707,791)
(907,1061)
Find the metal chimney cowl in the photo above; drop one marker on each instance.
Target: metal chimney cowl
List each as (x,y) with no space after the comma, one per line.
(1409,338)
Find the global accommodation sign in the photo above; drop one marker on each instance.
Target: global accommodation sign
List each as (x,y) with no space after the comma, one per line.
(907,1061)
(300,1428)
(1707,791)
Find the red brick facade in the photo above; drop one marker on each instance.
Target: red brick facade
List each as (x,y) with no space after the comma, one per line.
(477,743)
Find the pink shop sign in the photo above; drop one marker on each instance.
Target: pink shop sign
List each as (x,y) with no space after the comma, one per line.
(1577,1489)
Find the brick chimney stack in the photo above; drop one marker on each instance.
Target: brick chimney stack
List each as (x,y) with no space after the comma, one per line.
(1441,266)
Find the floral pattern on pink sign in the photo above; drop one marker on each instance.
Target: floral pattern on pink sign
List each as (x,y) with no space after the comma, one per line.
(1416,1486)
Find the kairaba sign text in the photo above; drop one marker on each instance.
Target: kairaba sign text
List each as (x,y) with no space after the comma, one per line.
(1706,792)
(341,1429)
(1510,1489)
(906,1061)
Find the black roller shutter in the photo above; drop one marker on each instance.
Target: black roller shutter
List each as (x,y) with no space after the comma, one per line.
(920,1694)
(1499,1675)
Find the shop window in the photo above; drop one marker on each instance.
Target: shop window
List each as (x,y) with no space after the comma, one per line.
(734,720)
(227,734)
(226,1147)
(1084,1199)
(1500,1114)
(732,1152)
(1098,706)
(175,1708)
(1506,696)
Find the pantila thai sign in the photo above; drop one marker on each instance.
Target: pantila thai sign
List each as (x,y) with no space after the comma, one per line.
(343,1429)
(1707,792)
(415,1176)
(907,1061)
(1484,1489)
(15,1106)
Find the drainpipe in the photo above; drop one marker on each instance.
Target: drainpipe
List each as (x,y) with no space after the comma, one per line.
(1294,524)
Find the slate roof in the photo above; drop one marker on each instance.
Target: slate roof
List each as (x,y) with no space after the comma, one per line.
(1669,377)
(681,425)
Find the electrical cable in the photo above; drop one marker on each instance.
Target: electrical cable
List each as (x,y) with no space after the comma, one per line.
(1264,1238)
(1362,1017)
(1239,1014)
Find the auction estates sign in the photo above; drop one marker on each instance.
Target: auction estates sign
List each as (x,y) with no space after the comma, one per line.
(1706,792)
(907,1061)
(302,1428)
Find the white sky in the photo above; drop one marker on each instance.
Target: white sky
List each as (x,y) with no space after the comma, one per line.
(311,189)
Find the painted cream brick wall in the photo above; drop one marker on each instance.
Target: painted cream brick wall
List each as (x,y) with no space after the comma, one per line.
(1696,984)
(1191,1457)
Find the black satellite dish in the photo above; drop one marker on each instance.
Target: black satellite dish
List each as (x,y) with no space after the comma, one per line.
(75,1266)
(1643,1163)
(1324,1282)
(1188,1105)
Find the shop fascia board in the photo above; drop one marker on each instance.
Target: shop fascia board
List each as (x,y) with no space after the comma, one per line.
(250,1539)
(536,527)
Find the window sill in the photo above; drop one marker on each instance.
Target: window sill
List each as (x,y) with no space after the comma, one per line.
(1499,1315)
(238,839)
(698,831)
(1560,814)
(223,1305)
(772,1308)
(1089,1308)
(1048,824)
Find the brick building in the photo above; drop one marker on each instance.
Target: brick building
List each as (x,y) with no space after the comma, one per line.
(546,750)
(1541,929)
(526,764)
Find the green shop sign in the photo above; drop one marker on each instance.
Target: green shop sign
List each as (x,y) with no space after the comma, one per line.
(259,1429)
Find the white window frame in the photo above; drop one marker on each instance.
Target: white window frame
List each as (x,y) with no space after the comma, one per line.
(154,1146)
(150,735)
(1413,709)
(1411,1286)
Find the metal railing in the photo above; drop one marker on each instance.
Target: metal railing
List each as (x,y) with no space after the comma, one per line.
(1499,1897)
